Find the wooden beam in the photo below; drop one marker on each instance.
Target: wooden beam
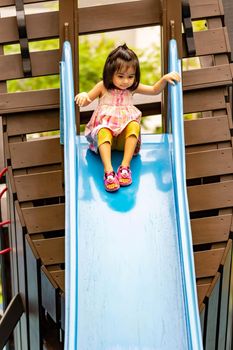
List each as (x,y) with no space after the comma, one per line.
(130,14)
(10,319)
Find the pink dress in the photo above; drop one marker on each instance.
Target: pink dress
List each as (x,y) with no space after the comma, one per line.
(114,111)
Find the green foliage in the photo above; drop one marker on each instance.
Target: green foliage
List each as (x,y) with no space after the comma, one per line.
(94,53)
(91,60)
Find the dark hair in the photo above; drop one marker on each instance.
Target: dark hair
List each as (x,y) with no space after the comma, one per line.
(119,57)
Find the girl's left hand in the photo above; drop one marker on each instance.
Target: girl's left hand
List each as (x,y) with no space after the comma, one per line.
(172,77)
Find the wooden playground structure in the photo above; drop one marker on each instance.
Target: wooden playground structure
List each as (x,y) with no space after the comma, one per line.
(33,271)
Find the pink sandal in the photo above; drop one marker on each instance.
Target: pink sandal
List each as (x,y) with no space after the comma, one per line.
(124,175)
(111,182)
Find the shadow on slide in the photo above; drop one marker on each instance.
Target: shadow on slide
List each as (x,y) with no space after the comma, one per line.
(130,279)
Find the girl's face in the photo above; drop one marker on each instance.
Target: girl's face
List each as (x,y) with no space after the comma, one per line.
(124,78)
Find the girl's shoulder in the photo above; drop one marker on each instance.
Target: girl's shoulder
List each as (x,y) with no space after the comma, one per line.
(102,88)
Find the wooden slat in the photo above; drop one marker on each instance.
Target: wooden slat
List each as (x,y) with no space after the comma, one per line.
(12,2)
(43,63)
(32,122)
(35,153)
(207,262)
(10,319)
(201,164)
(212,314)
(29,101)
(91,20)
(202,309)
(207,77)
(204,100)
(201,292)
(210,196)
(211,229)
(39,26)
(33,294)
(59,277)
(206,130)
(51,250)
(45,218)
(225,290)
(205,8)
(37,186)
(209,42)
(49,294)
(119,16)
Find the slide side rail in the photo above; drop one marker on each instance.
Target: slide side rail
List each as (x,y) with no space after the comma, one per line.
(176,124)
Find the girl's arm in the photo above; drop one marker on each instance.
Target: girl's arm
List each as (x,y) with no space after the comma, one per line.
(85,98)
(159,86)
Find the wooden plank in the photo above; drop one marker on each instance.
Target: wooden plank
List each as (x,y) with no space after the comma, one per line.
(201,9)
(51,250)
(207,77)
(202,309)
(204,100)
(34,295)
(119,16)
(35,153)
(202,291)
(59,277)
(207,262)
(212,315)
(12,2)
(39,26)
(49,291)
(10,318)
(44,218)
(200,164)
(206,130)
(210,196)
(92,19)
(211,229)
(29,101)
(209,42)
(37,186)
(32,122)
(225,288)
(43,63)
(229,339)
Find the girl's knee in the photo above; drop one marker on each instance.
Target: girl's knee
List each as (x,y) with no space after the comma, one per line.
(132,129)
(104,135)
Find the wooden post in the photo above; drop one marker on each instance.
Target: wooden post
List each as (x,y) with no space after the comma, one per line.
(68,30)
(171,26)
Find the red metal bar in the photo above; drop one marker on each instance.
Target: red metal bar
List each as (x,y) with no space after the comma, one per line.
(4,251)
(4,170)
(3,223)
(3,191)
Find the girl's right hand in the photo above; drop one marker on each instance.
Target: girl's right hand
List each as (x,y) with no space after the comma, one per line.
(82,99)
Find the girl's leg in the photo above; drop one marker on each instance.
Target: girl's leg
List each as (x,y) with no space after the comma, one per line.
(130,135)
(104,145)
(105,155)
(111,182)
(131,139)
(130,145)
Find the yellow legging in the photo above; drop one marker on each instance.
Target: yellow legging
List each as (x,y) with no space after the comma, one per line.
(118,143)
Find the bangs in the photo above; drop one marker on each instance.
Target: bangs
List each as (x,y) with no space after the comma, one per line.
(123,66)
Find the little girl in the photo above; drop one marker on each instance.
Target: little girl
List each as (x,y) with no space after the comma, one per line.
(115,124)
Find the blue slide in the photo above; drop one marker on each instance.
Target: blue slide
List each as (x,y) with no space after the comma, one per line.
(130,278)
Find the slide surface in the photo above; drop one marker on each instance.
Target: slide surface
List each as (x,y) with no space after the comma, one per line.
(130,284)
(130,279)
